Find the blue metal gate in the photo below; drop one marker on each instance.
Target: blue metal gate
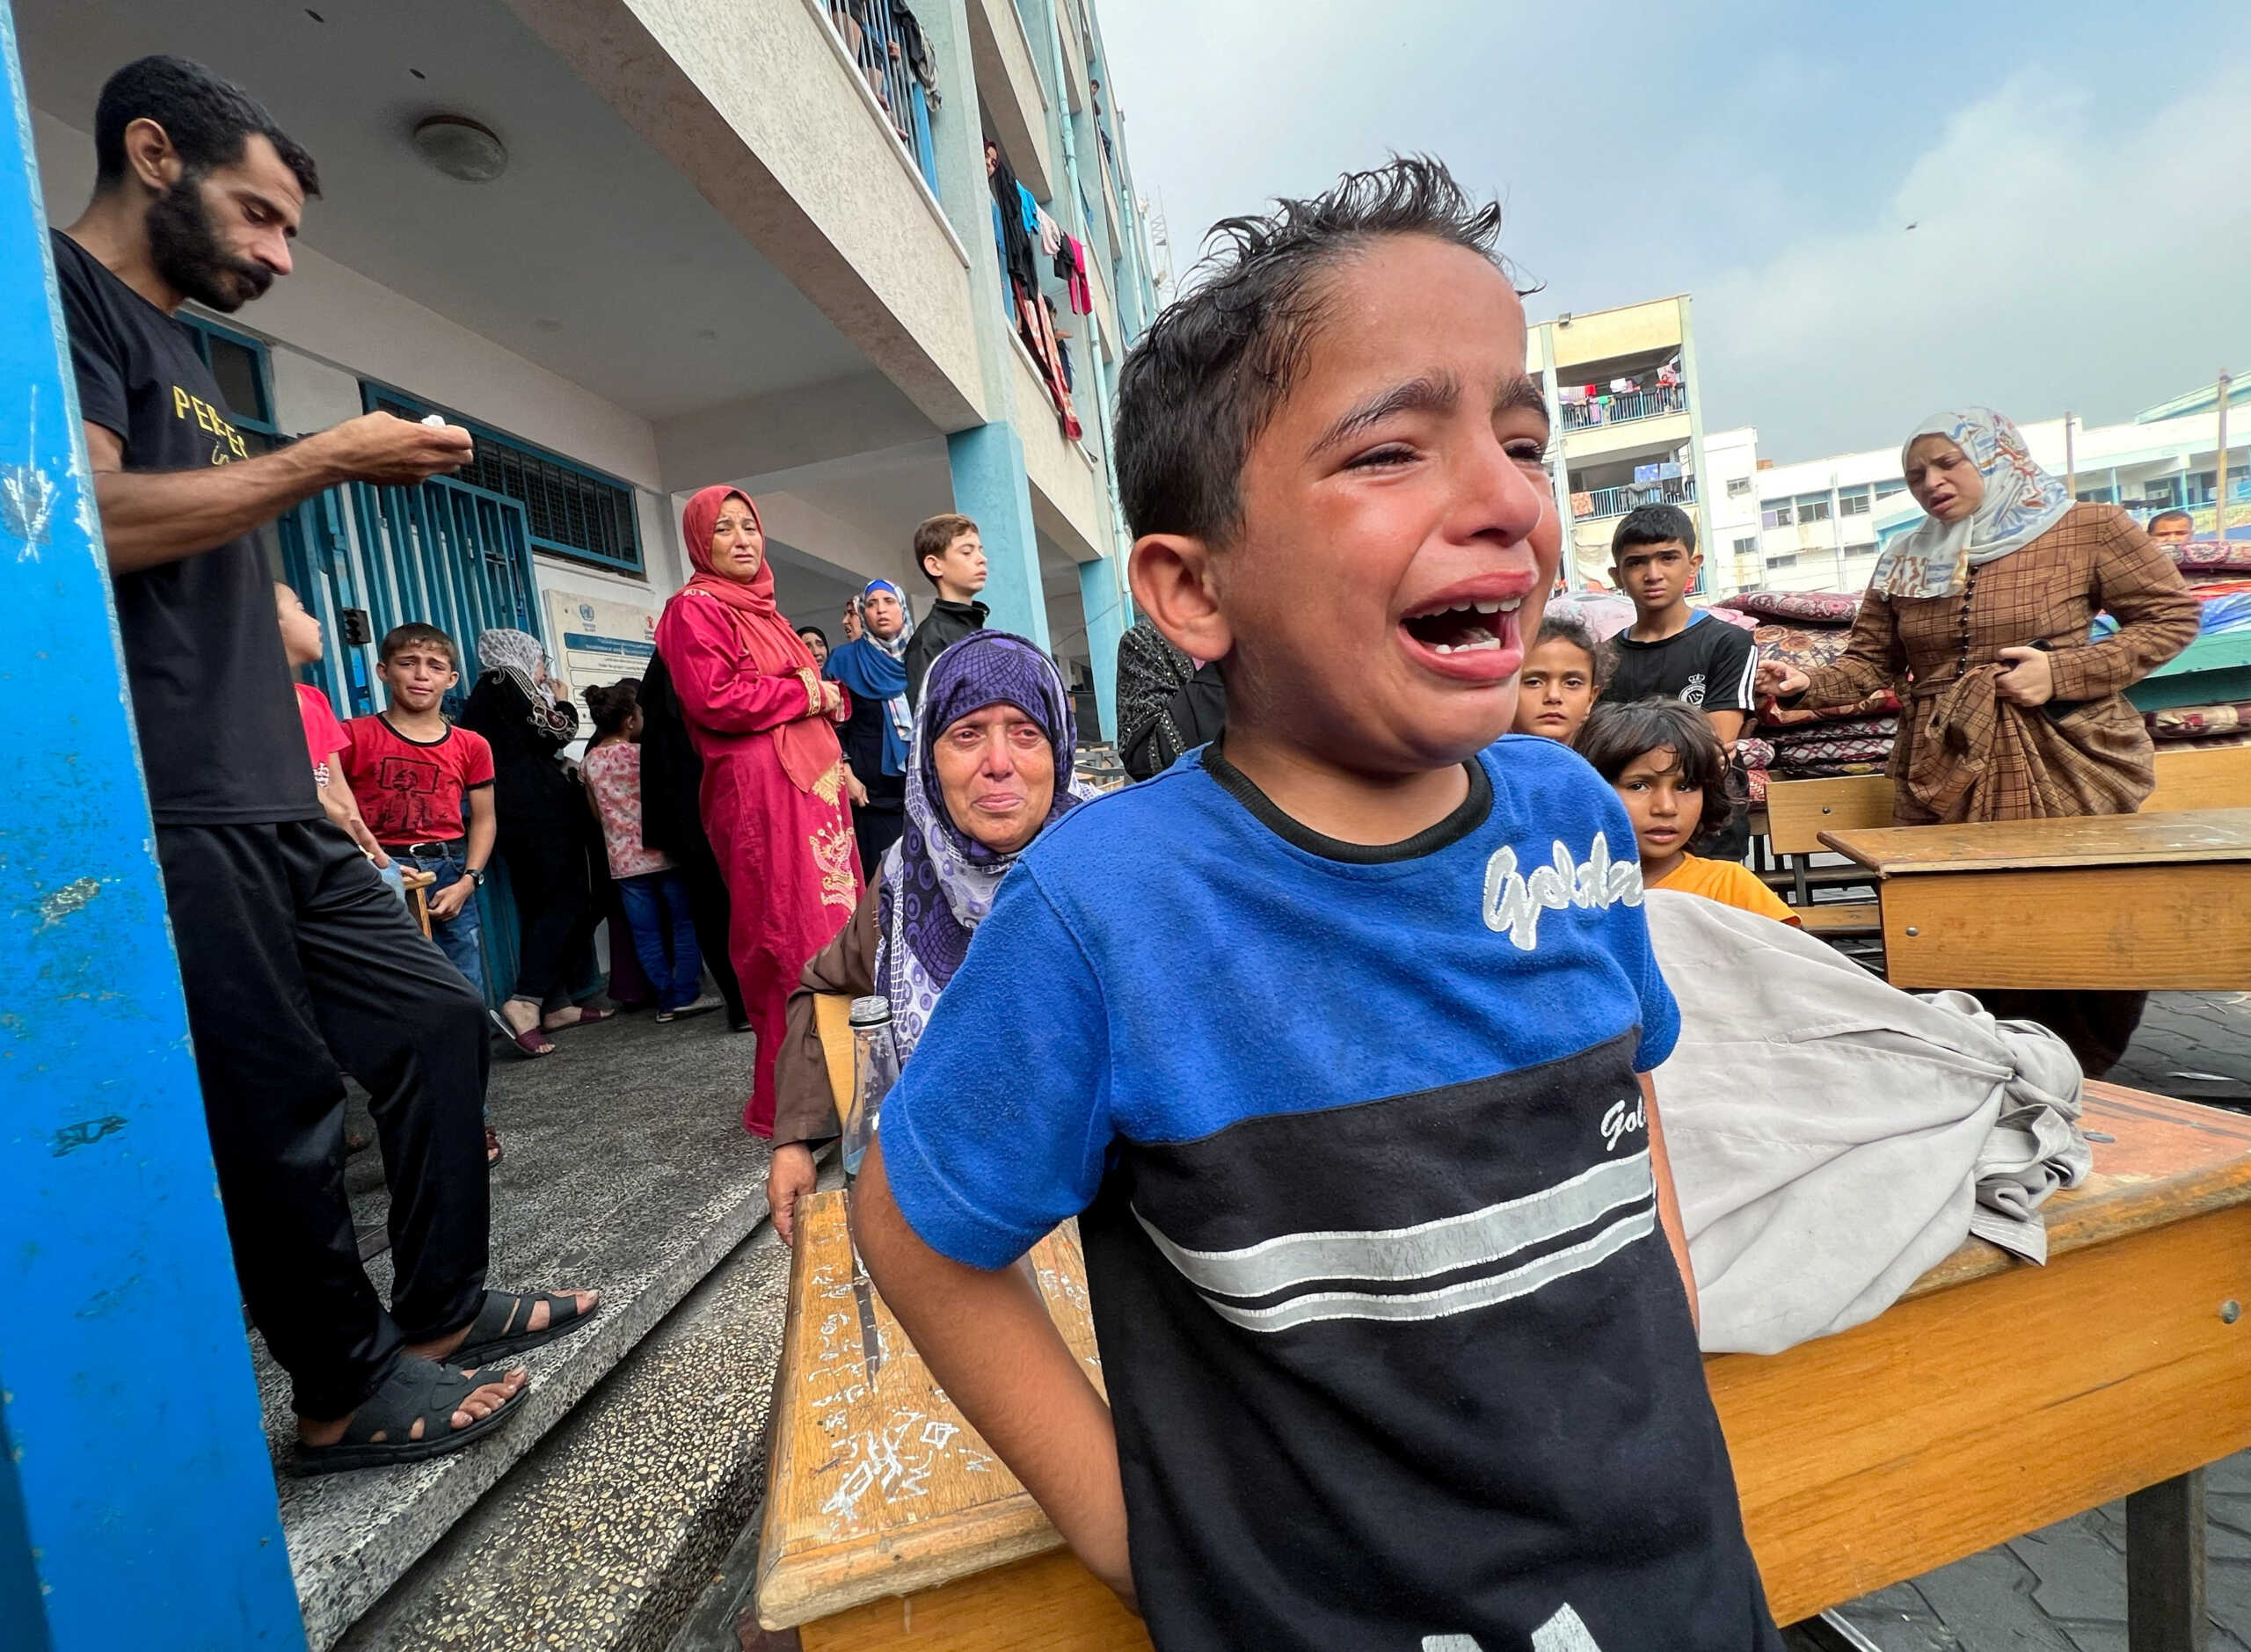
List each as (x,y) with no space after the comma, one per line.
(450,556)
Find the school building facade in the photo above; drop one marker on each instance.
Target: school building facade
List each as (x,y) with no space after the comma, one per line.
(642,246)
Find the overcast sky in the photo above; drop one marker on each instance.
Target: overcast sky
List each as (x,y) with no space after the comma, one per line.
(2079,176)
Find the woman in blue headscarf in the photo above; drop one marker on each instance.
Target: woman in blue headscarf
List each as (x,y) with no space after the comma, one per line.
(987,771)
(874,668)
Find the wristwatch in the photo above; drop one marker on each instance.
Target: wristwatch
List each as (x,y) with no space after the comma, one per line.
(475,875)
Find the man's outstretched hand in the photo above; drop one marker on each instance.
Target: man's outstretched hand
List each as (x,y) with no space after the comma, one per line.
(393,452)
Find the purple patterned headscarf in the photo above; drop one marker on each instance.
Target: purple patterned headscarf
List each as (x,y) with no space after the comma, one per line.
(938,882)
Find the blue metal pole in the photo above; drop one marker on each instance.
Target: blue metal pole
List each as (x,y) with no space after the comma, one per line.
(136,1496)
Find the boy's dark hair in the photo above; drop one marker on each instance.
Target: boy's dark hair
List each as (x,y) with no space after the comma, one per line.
(415,634)
(2166,516)
(1653,525)
(1208,376)
(934,536)
(1570,628)
(208,119)
(1614,735)
(613,707)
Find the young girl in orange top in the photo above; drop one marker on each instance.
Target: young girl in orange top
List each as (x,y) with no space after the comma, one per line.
(1671,772)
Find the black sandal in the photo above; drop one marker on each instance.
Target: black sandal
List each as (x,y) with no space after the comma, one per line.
(495,1333)
(417,1390)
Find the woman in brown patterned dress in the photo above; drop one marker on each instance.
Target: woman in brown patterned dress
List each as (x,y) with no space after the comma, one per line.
(1981,617)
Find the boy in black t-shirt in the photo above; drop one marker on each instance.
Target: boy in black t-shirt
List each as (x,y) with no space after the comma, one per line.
(295,958)
(1672,651)
(1330,1036)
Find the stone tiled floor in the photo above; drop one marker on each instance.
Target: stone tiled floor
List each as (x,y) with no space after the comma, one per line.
(2063,1589)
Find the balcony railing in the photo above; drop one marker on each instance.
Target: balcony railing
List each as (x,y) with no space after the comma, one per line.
(886,44)
(1672,398)
(1618,501)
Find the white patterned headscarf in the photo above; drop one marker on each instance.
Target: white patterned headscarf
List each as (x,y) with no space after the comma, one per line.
(2021,502)
(520,657)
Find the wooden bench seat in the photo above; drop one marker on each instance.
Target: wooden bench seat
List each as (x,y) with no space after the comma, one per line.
(1833,919)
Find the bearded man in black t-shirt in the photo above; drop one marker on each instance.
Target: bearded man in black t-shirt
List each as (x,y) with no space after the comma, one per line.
(294,957)
(1672,651)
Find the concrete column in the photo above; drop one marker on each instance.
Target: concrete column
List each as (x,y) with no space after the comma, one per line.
(989,484)
(1102,595)
(136,1496)
(1696,432)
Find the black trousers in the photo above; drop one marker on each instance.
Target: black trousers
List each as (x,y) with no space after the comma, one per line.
(556,915)
(298,960)
(708,910)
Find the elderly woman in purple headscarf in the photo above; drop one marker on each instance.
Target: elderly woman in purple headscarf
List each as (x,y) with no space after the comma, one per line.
(988,769)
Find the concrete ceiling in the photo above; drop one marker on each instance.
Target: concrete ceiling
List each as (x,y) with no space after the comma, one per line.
(589,256)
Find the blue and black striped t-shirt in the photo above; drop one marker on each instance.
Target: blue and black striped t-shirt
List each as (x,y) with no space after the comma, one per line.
(1397,1352)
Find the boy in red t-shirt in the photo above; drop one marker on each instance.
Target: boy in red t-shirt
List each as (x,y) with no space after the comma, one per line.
(412,769)
(324,736)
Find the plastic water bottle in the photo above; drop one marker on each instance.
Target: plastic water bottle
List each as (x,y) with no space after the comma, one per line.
(875,1069)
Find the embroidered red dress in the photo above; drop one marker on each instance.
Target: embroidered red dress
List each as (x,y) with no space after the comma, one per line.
(773,794)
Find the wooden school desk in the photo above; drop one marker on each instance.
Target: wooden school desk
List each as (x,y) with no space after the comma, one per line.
(2126,902)
(1994,1398)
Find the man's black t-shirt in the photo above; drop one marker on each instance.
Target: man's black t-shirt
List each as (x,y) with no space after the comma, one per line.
(1710,665)
(220,738)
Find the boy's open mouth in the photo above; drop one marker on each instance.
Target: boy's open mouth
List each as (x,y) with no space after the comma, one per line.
(1465,628)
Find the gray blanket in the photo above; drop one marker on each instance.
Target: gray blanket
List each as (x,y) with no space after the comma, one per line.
(1833,1138)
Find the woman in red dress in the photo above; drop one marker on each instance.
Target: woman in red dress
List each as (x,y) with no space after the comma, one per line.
(773,796)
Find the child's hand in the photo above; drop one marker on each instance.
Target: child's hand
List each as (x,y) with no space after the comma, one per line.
(449,901)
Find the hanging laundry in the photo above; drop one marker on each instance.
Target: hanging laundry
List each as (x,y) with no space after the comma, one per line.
(1571,395)
(1581,503)
(1081,290)
(1623,387)
(1668,376)
(1645,473)
(1030,208)
(1050,233)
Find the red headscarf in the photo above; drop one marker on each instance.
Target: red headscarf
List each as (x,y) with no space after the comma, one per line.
(808,746)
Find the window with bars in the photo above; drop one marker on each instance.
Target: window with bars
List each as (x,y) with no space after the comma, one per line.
(1775,514)
(1852,501)
(1813,507)
(576,513)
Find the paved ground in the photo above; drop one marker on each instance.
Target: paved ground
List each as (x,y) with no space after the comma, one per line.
(2063,1589)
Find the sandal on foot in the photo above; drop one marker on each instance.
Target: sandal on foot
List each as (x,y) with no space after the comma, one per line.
(585,1018)
(417,1390)
(498,1330)
(493,1150)
(532,1041)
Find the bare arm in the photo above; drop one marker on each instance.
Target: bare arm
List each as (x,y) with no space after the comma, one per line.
(447,902)
(988,1341)
(1727,724)
(1668,1200)
(153,517)
(484,825)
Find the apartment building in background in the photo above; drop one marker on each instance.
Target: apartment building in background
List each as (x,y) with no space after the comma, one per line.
(1621,396)
(638,249)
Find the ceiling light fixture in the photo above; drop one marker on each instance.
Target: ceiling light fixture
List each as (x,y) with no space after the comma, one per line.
(460,148)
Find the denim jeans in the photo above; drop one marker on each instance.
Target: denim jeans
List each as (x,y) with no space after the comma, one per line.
(664,935)
(459,937)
